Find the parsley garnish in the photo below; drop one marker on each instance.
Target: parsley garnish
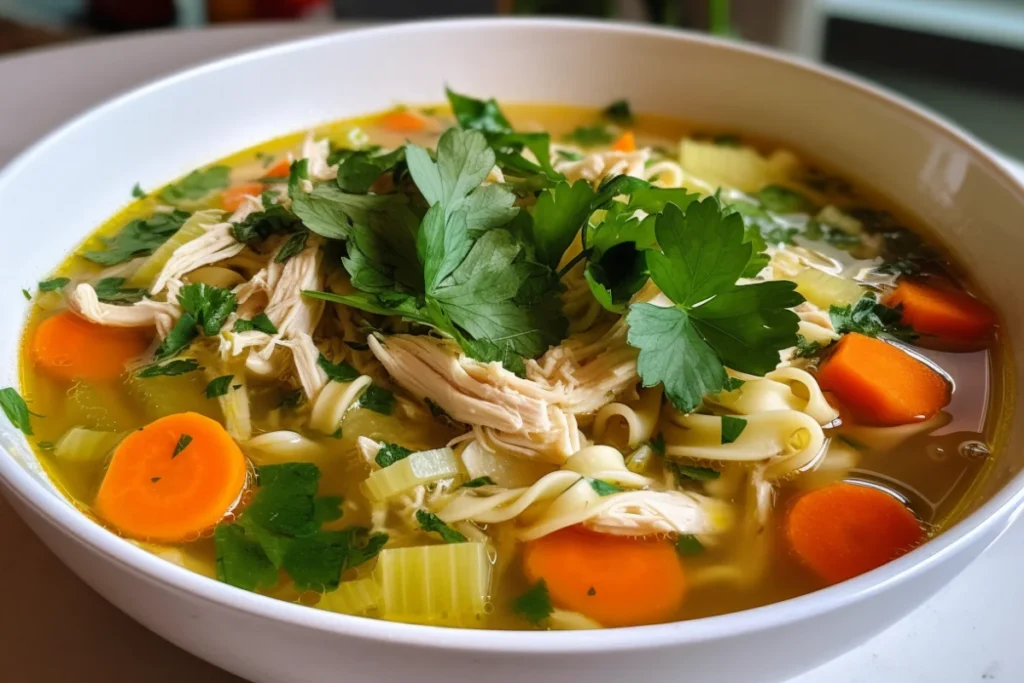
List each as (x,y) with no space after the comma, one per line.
(534,604)
(219,386)
(806,349)
(590,136)
(567,155)
(196,185)
(28,295)
(695,473)
(378,400)
(714,322)
(871,318)
(109,290)
(259,322)
(292,246)
(359,170)
(783,200)
(139,237)
(603,488)
(687,545)
(291,399)
(658,444)
(818,231)
(732,427)
(54,285)
(16,409)
(337,372)
(478,482)
(175,367)
(430,522)
(390,453)
(138,192)
(183,441)
(205,309)
(619,112)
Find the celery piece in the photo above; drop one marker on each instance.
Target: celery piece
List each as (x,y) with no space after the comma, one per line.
(437,584)
(824,290)
(86,445)
(352,597)
(194,227)
(419,468)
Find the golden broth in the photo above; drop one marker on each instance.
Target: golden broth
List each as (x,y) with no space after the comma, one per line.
(933,472)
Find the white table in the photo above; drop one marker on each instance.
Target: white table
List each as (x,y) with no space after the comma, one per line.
(52,625)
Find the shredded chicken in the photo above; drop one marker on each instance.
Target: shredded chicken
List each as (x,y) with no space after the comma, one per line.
(146,313)
(316,152)
(216,245)
(597,166)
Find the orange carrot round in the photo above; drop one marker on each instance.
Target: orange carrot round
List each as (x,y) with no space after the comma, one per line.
(843,530)
(880,384)
(172,479)
(403,121)
(281,169)
(951,315)
(233,197)
(625,143)
(614,580)
(69,347)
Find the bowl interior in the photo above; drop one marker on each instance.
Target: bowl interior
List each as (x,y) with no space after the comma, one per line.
(59,191)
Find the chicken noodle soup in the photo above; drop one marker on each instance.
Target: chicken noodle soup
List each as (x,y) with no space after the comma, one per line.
(513,367)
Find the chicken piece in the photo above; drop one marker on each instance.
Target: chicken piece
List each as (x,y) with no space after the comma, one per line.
(316,152)
(597,166)
(649,513)
(250,204)
(146,313)
(291,312)
(305,355)
(216,245)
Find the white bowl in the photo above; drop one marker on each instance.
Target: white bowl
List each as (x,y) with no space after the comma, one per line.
(61,189)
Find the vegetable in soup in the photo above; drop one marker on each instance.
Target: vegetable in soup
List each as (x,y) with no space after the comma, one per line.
(527,367)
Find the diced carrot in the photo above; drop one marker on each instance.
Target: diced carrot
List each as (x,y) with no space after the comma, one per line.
(233,197)
(951,315)
(403,121)
(172,480)
(69,347)
(281,169)
(625,143)
(843,530)
(880,384)
(614,580)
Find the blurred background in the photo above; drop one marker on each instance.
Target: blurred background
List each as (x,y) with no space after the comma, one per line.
(963,58)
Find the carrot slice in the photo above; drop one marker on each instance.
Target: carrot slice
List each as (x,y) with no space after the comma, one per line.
(281,169)
(172,479)
(625,143)
(843,530)
(880,384)
(614,580)
(403,121)
(69,347)
(948,314)
(233,197)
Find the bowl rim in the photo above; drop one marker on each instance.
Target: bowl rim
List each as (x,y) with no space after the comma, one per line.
(1005,504)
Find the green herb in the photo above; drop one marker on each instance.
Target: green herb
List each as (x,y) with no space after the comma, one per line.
(360,170)
(558,215)
(292,247)
(273,220)
(183,441)
(291,399)
(473,114)
(657,444)
(568,155)
(783,200)
(714,323)
(534,604)
(430,522)
(818,231)
(378,400)
(807,349)
(687,545)
(219,386)
(178,339)
(871,318)
(727,140)
(337,372)
(732,427)
(110,290)
(357,346)
(137,192)
(46,445)
(695,473)
(196,185)
(259,322)
(16,410)
(139,237)
(590,136)
(390,453)
(209,305)
(436,410)
(28,295)
(54,285)
(733,383)
(478,482)
(175,367)
(619,112)
(603,488)
(241,560)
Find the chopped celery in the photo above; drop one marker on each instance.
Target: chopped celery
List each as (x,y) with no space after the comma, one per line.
(86,445)
(419,468)
(352,597)
(437,584)
(194,227)
(824,290)
(835,217)
(641,461)
(742,168)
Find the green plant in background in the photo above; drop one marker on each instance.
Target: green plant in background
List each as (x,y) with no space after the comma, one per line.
(666,12)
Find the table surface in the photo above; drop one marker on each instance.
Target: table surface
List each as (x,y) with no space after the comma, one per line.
(53,625)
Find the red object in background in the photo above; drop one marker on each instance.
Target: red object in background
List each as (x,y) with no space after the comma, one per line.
(118,15)
(285,9)
(242,10)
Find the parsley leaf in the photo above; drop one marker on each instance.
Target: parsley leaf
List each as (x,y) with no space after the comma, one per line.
(783,200)
(16,409)
(138,192)
(292,246)
(534,604)
(260,322)
(619,112)
(390,453)
(687,545)
(197,185)
(807,349)
(183,441)
(474,114)
(209,305)
(109,290)
(378,400)
(360,170)
(557,217)
(478,482)
(175,367)
(732,427)
(337,372)
(54,285)
(430,522)
(241,560)
(695,473)
(139,237)
(871,318)
(219,386)
(590,136)
(714,322)
(603,488)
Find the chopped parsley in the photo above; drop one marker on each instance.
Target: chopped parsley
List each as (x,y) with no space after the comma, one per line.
(139,237)
(27,294)
(619,112)
(590,136)
(390,453)
(694,473)
(54,285)
(378,400)
(478,482)
(259,322)
(219,386)
(687,545)
(783,200)
(16,410)
(871,318)
(431,523)
(197,185)
(806,348)
(292,246)
(337,372)
(534,604)
(175,367)
(603,488)
(183,441)
(291,399)
(732,427)
(111,291)
(138,192)
(205,309)
(840,239)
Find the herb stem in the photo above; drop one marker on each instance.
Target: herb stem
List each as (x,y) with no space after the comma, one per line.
(575,259)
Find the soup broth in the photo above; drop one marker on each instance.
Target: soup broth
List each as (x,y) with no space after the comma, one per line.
(635,460)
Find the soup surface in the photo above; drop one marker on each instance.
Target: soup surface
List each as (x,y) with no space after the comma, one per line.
(514,367)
